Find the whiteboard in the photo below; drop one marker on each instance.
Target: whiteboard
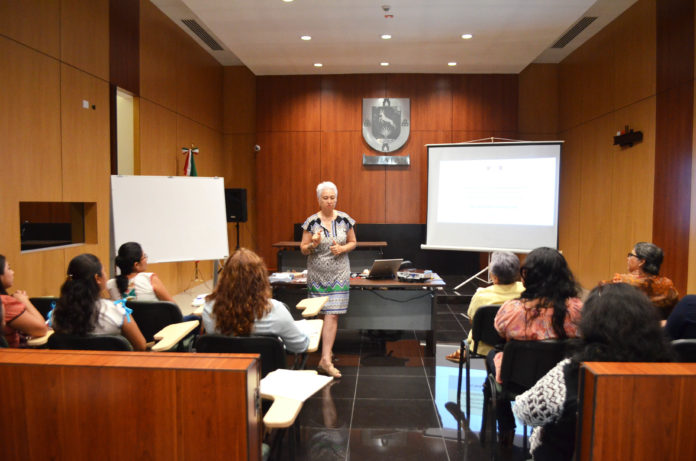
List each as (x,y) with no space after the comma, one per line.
(174,218)
(493,196)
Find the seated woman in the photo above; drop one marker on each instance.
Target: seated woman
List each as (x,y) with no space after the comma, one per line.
(81,311)
(504,271)
(681,323)
(133,282)
(547,309)
(643,265)
(241,304)
(619,324)
(20,316)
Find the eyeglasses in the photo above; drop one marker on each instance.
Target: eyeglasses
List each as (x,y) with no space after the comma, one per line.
(634,255)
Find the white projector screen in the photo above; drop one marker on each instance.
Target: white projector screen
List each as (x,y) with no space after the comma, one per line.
(174,218)
(493,196)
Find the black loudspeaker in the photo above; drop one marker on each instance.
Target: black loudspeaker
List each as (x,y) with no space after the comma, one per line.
(236,205)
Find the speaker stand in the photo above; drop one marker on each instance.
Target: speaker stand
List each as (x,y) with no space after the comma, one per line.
(237,222)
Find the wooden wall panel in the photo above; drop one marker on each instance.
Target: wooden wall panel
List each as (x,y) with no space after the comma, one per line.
(431,99)
(361,193)
(634,48)
(159,149)
(484,102)
(209,143)
(595,204)
(85,151)
(239,94)
(35,23)
(124,44)
(288,172)
(569,218)
(538,101)
(160,41)
(288,103)
(199,85)
(341,99)
(84,40)
(407,187)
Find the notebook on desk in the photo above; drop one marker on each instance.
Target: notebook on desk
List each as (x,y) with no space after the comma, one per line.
(384,268)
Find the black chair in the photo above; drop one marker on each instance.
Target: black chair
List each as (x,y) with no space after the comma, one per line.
(482,329)
(272,352)
(44,304)
(89,342)
(3,341)
(685,349)
(270,348)
(152,316)
(524,363)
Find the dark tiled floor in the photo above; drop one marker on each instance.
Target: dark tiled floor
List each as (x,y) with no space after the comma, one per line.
(390,403)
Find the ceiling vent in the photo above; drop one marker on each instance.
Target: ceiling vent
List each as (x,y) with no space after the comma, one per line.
(202,34)
(574,31)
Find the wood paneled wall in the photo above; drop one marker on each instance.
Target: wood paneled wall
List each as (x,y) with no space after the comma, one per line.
(309,130)
(54,149)
(56,54)
(606,197)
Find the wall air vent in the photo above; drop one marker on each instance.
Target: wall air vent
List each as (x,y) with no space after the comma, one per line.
(574,31)
(202,34)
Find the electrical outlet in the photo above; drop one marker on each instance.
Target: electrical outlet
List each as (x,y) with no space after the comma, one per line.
(85,104)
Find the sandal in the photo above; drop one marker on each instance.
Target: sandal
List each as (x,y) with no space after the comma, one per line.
(454,356)
(329,371)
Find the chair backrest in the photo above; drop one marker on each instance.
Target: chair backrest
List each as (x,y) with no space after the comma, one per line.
(44,304)
(524,362)
(3,341)
(270,348)
(685,349)
(152,316)
(89,342)
(482,328)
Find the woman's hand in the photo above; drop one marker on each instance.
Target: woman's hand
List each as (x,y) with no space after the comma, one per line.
(21,296)
(316,238)
(336,249)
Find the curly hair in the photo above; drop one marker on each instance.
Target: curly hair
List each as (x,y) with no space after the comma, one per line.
(76,309)
(3,260)
(548,278)
(620,324)
(242,294)
(128,254)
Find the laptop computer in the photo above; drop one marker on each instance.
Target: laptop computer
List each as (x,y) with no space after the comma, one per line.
(384,268)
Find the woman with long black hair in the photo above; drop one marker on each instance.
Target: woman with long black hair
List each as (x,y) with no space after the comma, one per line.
(80,310)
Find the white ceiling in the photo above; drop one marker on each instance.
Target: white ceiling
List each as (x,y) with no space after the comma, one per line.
(508,35)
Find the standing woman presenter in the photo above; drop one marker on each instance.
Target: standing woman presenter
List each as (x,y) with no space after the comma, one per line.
(327,238)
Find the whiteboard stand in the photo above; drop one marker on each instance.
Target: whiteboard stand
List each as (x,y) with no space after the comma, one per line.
(477,276)
(197,273)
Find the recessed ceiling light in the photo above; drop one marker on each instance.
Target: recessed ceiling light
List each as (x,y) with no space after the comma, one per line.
(287,1)
(318,64)
(467,36)
(384,64)
(385,36)
(306,37)
(452,64)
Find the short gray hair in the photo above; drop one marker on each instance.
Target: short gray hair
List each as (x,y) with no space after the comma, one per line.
(651,254)
(505,266)
(326,185)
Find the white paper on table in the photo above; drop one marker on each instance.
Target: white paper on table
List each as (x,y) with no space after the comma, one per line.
(310,328)
(293,384)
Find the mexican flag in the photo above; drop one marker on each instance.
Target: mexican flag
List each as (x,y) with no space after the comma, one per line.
(190,165)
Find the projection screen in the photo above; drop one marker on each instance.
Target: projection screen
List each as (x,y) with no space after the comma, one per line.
(493,196)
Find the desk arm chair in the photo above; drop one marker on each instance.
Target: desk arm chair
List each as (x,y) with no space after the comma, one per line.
(685,349)
(89,342)
(524,363)
(153,316)
(44,304)
(482,330)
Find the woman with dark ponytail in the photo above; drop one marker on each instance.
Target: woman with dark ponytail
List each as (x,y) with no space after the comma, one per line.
(133,282)
(81,311)
(548,308)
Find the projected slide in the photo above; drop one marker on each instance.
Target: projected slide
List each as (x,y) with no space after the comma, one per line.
(497,191)
(493,196)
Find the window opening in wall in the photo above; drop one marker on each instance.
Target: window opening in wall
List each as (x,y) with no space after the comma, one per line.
(46,225)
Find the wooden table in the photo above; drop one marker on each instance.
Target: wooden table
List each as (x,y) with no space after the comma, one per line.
(290,258)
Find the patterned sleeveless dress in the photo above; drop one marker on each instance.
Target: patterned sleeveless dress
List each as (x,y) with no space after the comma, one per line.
(327,274)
